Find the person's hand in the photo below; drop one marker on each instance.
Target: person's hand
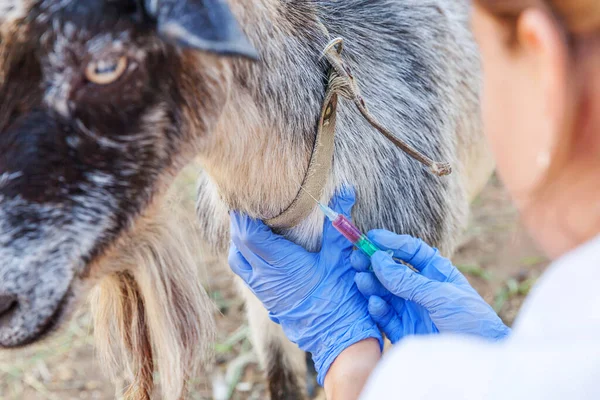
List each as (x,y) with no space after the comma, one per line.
(437,299)
(312,295)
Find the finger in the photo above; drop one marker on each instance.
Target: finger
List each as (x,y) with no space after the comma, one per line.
(259,244)
(368,285)
(417,253)
(405,247)
(238,264)
(402,281)
(360,261)
(342,203)
(273,318)
(441,269)
(386,318)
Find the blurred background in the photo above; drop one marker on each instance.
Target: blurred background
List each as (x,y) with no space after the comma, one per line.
(497,256)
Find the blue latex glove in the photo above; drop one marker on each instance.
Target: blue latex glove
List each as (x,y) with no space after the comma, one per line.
(312,295)
(438,299)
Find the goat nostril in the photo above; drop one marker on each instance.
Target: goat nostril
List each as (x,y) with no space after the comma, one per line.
(7,304)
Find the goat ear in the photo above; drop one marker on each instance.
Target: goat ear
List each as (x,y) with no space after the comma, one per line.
(205,25)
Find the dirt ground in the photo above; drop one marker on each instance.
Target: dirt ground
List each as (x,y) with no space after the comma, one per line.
(497,256)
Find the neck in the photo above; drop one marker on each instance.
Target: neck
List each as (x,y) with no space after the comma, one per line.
(566,214)
(260,151)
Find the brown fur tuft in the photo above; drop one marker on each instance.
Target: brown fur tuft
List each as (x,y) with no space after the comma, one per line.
(154,315)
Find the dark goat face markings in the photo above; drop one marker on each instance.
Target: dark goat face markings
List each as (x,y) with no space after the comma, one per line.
(89,125)
(98,105)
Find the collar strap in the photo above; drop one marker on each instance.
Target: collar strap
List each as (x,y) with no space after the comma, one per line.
(340,82)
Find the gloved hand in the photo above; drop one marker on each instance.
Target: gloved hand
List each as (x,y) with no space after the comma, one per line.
(438,299)
(312,295)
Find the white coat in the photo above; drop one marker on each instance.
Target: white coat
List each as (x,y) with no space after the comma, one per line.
(553,352)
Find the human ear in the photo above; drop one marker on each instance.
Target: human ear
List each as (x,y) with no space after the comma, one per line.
(543,51)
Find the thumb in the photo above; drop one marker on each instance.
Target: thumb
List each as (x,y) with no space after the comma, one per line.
(238,264)
(259,245)
(407,248)
(386,318)
(401,280)
(344,200)
(341,203)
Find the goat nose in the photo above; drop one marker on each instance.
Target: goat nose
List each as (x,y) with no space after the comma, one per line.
(8,303)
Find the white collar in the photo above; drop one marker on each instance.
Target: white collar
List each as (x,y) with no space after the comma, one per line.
(566,299)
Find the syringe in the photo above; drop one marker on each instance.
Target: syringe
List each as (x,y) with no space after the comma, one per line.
(344,226)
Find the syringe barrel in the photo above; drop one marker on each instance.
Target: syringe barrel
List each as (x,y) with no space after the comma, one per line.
(366,246)
(356,237)
(347,228)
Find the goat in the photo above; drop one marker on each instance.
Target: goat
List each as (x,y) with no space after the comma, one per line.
(102,102)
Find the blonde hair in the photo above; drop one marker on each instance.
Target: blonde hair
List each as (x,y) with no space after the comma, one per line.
(578,16)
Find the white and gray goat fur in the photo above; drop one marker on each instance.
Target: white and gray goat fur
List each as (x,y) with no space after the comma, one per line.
(85,168)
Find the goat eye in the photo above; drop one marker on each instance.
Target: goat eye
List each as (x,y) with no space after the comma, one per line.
(105,72)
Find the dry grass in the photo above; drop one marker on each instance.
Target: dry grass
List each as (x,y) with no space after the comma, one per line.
(497,256)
